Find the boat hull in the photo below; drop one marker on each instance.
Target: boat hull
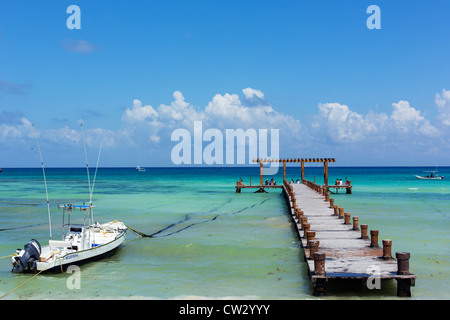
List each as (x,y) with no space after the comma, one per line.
(425,178)
(79,258)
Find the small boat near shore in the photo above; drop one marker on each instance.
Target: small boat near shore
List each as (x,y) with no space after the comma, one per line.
(81,243)
(432,175)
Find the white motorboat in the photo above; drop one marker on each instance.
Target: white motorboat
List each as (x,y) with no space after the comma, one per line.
(138,168)
(432,175)
(80,243)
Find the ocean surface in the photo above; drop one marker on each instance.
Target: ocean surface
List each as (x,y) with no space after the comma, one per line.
(211,243)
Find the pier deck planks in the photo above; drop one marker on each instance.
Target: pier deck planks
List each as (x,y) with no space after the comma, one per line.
(347,255)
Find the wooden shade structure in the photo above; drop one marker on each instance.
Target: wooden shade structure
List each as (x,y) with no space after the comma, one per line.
(301,160)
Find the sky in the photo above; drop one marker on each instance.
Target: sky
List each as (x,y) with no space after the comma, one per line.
(136,71)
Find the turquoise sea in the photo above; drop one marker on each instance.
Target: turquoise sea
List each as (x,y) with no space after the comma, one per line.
(211,243)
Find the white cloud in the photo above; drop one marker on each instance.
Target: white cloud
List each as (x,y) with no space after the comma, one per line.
(334,125)
(343,125)
(407,119)
(224,111)
(250,93)
(404,113)
(228,107)
(138,112)
(443,103)
(179,111)
(24,129)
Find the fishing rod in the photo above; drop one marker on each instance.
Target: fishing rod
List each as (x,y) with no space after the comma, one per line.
(45,183)
(91,189)
(95,175)
(87,165)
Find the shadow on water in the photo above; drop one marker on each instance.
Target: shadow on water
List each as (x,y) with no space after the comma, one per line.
(188,217)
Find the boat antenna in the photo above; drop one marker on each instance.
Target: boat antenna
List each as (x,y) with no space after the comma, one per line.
(95,175)
(87,165)
(45,183)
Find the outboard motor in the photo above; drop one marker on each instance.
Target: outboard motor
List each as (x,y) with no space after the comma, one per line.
(26,260)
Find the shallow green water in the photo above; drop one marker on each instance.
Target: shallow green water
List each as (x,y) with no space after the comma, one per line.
(214,243)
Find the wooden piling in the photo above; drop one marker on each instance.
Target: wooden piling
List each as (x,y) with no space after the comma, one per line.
(387,244)
(310,236)
(303,221)
(319,263)
(347,218)
(306,228)
(403,263)
(374,238)
(355,223)
(341,213)
(405,282)
(364,228)
(313,247)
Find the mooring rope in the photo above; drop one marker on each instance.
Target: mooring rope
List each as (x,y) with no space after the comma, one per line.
(144,235)
(8,256)
(24,283)
(16,228)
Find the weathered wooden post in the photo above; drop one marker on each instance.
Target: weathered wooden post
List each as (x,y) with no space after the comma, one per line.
(387,252)
(403,263)
(261,178)
(306,228)
(310,236)
(303,221)
(299,214)
(349,187)
(403,285)
(319,263)
(325,173)
(374,238)
(303,170)
(336,209)
(347,218)
(331,203)
(364,228)
(341,213)
(319,283)
(313,247)
(355,223)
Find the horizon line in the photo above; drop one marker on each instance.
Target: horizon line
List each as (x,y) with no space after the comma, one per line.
(230,167)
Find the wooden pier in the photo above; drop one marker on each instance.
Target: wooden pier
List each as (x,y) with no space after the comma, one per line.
(335,245)
(337,248)
(261,186)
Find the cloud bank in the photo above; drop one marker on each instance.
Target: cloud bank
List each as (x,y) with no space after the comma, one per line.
(331,127)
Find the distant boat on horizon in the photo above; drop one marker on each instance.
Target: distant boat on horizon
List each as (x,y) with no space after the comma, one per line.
(138,168)
(433,175)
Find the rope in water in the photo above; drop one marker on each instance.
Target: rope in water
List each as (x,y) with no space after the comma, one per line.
(144,235)
(24,283)
(8,256)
